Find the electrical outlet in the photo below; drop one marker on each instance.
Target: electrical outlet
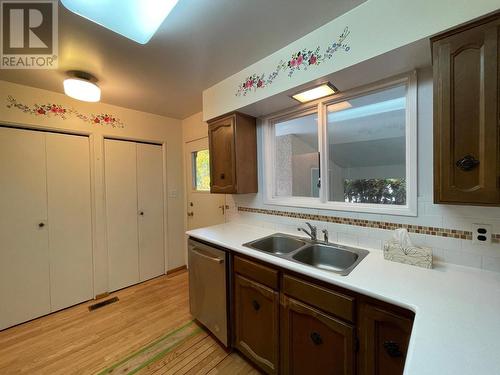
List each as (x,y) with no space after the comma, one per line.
(481,234)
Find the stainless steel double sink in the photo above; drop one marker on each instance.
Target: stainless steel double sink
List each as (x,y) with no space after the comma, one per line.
(325,256)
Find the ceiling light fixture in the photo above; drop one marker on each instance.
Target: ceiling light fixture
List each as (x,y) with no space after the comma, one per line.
(82,86)
(134,19)
(320,91)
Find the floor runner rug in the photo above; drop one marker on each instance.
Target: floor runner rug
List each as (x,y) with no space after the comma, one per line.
(155,350)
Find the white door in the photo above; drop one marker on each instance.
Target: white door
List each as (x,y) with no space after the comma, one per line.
(24,252)
(150,207)
(70,221)
(203,208)
(120,159)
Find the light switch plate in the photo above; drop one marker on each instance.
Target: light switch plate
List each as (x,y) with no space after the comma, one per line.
(481,234)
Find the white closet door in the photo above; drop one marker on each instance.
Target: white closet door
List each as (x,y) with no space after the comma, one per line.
(24,253)
(70,225)
(150,204)
(121,213)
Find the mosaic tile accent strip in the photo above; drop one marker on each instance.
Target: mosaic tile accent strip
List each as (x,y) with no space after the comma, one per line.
(420,229)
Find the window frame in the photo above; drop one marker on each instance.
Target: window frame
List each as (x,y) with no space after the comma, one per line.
(320,107)
(193,156)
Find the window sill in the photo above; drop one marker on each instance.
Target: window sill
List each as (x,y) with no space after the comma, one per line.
(314,203)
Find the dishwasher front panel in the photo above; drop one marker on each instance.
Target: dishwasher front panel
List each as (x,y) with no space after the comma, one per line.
(207,288)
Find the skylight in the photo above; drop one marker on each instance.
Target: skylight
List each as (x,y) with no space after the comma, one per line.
(134,19)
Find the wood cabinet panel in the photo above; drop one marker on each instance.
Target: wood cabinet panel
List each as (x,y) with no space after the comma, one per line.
(256,323)
(466,115)
(233,154)
(222,154)
(384,338)
(332,302)
(256,272)
(313,342)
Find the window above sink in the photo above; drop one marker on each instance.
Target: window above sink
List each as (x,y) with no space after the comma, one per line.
(353,151)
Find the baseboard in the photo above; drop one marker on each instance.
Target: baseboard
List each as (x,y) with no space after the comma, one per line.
(177,269)
(102,295)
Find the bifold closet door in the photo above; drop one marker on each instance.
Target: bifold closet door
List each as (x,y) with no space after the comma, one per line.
(70,220)
(24,241)
(150,205)
(120,159)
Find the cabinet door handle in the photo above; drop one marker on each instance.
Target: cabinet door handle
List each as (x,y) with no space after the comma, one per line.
(316,338)
(256,305)
(222,176)
(392,349)
(41,225)
(467,163)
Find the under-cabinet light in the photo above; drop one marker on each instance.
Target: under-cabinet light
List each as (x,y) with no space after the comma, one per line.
(317,92)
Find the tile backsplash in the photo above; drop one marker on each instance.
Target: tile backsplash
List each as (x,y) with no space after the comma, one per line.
(451,244)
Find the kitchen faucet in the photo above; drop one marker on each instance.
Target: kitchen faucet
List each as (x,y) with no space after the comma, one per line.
(313,231)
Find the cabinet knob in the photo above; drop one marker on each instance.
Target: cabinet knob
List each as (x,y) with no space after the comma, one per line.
(222,176)
(392,349)
(141,213)
(316,338)
(41,225)
(467,163)
(256,305)
(190,214)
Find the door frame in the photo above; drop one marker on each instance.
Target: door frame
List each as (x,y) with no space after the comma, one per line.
(93,209)
(156,142)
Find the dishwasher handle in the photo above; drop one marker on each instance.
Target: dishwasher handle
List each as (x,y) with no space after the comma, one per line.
(208,257)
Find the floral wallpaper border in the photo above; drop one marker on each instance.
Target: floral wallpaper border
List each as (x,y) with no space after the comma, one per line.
(301,60)
(57,110)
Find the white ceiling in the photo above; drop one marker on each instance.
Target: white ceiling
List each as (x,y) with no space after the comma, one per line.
(200,43)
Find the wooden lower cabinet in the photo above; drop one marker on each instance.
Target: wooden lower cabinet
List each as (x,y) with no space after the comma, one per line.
(288,324)
(256,309)
(313,342)
(384,338)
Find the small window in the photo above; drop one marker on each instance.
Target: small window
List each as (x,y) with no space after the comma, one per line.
(353,151)
(201,170)
(297,157)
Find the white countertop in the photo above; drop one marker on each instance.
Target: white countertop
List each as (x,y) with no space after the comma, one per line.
(457,309)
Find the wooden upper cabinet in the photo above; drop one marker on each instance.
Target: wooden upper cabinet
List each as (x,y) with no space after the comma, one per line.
(233,154)
(383,340)
(466,114)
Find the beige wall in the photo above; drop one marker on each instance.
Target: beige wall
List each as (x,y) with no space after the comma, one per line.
(139,126)
(193,127)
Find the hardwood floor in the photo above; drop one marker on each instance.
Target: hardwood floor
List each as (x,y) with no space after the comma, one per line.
(76,341)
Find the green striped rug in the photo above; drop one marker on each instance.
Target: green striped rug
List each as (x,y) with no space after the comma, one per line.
(154,351)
